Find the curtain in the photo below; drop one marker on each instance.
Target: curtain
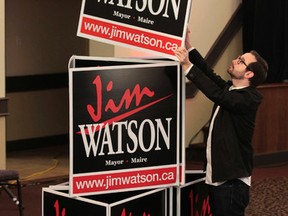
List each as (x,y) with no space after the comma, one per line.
(265,29)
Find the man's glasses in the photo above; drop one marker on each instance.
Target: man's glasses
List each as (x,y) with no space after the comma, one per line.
(240,60)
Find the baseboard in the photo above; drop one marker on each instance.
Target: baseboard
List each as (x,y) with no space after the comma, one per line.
(271,158)
(197,152)
(40,142)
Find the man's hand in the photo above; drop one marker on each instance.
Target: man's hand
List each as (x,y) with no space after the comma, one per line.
(182,54)
(187,39)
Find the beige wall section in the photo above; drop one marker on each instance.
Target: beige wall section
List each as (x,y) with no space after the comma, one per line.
(41,36)
(100,49)
(2,85)
(207,20)
(41,114)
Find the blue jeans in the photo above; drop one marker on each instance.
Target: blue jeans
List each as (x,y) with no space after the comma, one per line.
(229,199)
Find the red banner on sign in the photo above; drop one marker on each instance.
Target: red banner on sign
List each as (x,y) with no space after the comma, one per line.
(124,179)
(136,37)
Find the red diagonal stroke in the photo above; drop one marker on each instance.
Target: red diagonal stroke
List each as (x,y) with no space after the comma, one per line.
(127,114)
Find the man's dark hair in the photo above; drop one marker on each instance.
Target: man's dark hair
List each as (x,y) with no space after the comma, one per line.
(259,68)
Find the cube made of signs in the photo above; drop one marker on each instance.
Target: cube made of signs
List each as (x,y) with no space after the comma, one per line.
(56,201)
(192,198)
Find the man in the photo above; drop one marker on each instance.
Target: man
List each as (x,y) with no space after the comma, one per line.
(229,150)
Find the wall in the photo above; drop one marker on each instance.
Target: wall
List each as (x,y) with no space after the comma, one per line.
(205,28)
(44,113)
(2,85)
(41,36)
(100,49)
(40,39)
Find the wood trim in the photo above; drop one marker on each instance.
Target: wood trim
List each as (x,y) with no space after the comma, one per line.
(273,85)
(36,82)
(272,158)
(4,107)
(38,142)
(270,134)
(196,153)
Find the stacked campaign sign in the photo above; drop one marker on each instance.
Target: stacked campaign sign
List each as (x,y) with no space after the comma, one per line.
(192,198)
(186,200)
(126,138)
(155,26)
(126,122)
(126,117)
(57,202)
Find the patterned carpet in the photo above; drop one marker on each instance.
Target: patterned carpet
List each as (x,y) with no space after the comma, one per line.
(268,197)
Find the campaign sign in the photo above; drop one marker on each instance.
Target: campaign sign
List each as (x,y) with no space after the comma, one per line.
(192,198)
(60,203)
(149,202)
(125,127)
(157,26)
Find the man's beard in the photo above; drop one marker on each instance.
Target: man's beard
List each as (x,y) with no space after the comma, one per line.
(230,70)
(233,75)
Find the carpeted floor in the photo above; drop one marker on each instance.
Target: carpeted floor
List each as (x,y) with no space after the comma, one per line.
(268,197)
(40,164)
(38,169)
